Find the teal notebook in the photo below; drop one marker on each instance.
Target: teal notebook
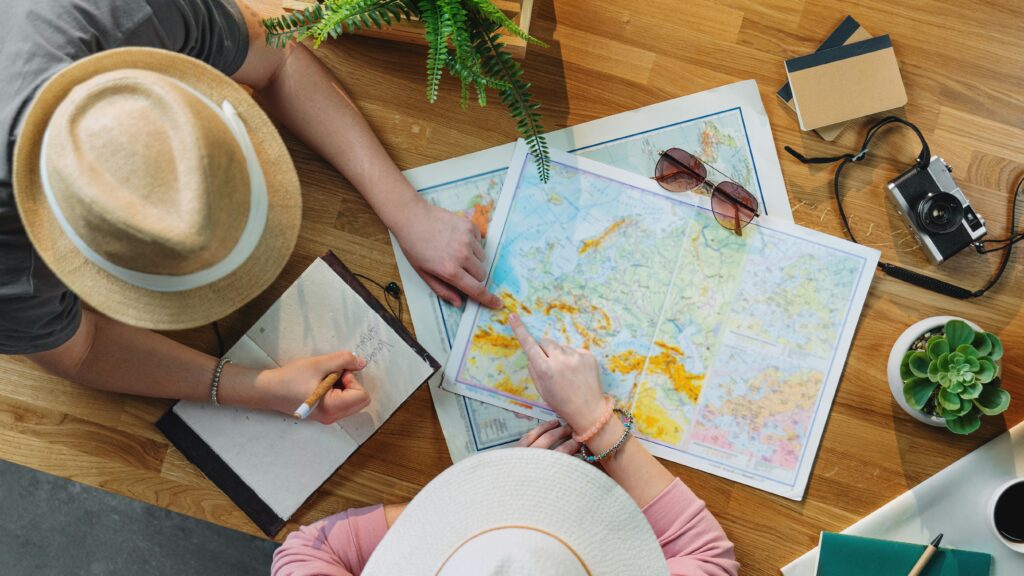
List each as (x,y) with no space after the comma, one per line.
(844,555)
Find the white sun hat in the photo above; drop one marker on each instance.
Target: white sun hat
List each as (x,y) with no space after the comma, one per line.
(519,512)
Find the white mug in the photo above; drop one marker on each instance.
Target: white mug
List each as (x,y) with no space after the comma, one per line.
(1015,546)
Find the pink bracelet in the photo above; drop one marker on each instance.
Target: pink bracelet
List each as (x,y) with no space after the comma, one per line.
(584,438)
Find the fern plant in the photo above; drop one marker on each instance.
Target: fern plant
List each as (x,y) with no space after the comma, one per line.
(462,37)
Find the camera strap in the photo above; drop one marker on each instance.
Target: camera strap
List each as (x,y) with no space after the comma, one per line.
(923,160)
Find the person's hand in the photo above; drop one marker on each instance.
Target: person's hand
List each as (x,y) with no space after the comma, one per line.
(551,435)
(292,383)
(445,249)
(568,379)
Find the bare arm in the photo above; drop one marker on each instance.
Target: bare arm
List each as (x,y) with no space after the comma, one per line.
(570,382)
(299,92)
(109,355)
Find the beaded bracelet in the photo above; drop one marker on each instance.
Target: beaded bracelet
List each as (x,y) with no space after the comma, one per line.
(608,405)
(215,381)
(627,421)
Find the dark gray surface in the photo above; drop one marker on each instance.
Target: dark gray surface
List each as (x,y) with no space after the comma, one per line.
(49,525)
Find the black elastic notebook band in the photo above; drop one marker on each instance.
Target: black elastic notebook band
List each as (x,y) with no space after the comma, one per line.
(922,162)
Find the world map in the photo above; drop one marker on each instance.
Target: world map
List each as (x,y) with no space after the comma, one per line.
(719,344)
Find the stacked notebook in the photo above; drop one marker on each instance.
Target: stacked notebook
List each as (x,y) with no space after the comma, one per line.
(849,76)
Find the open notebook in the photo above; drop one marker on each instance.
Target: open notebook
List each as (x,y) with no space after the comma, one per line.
(269,463)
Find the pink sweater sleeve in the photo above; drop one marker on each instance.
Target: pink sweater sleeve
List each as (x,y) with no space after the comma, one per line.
(338,545)
(692,540)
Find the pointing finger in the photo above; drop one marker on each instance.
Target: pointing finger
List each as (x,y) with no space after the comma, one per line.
(534,353)
(550,346)
(477,291)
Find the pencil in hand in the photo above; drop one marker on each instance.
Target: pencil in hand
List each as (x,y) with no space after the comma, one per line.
(316,396)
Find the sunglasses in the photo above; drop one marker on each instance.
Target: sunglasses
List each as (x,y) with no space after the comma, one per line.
(733,205)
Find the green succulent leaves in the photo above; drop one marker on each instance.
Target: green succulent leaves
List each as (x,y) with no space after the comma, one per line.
(917,391)
(964,424)
(462,37)
(958,332)
(956,376)
(992,400)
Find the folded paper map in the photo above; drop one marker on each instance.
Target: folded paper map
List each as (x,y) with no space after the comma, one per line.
(726,126)
(726,348)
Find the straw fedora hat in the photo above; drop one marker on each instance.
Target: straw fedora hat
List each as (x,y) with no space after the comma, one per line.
(155,188)
(520,512)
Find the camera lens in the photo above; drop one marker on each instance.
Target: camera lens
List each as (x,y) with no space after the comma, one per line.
(940,213)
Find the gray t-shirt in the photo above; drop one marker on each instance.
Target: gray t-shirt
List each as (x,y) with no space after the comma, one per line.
(38,39)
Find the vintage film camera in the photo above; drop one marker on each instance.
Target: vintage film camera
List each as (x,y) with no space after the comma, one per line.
(936,210)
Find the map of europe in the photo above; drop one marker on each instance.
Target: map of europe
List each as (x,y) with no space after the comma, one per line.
(719,344)
(719,140)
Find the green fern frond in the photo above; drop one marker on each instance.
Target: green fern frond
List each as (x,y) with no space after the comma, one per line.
(516,97)
(459,39)
(473,75)
(494,15)
(437,29)
(461,36)
(350,15)
(287,27)
(481,93)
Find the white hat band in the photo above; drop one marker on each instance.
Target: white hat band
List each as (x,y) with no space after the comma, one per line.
(247,241)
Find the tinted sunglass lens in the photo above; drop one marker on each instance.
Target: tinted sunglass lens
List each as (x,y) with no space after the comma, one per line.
(734,206)
(679,171)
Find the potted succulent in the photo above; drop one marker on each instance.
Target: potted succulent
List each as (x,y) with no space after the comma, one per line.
(461,37)
(946,371)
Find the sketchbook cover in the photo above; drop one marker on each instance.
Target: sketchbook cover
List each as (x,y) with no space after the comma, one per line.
(849,30)
(325,310)
(851,81)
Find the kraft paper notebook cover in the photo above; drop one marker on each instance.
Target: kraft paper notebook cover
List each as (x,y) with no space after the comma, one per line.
(269,463)
(844,83)
(848,31)
(844,555)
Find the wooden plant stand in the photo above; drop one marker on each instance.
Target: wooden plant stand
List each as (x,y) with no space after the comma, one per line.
(411,31)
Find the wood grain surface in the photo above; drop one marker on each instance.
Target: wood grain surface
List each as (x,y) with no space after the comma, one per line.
(963,65)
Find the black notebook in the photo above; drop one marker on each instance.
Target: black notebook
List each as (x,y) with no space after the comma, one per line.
(269,463)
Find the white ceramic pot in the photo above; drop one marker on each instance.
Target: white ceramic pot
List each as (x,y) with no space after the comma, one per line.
(901,346)
(1015,546)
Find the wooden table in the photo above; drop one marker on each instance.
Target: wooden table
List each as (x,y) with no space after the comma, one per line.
(963,65)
